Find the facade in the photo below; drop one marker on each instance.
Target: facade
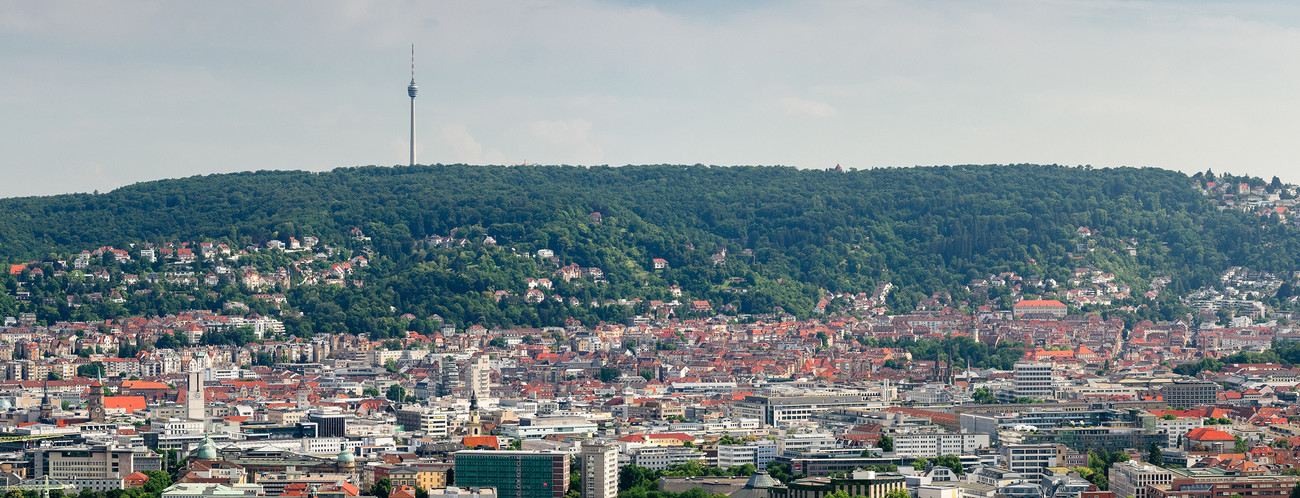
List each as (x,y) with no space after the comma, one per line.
(1032,380)
(1176,428)
(431,422)
(540,428)
(861,483)
(478,373)
(931,445)
(1027,459)
(778,410)
(1040,308)
(662,457)
(1132,478)
(514,474)
(455,492)
(92,462)
(1265,486)
(757,453)
(599,470)
(209,490)
(418,477)
(1190,393)
(329,424)
(194,396)
(1086,439)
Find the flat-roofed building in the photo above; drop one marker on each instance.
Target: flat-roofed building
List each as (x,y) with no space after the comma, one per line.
(514,474)
(779,410)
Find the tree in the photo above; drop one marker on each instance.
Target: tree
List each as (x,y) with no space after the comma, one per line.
(1240,446)
(66,405)
(1295,491)
(885,443)
(95,369)
(610,374)
(158,481)
(1154,455)
(370,391)
(898,493)
(920,463)
(984,397)
(53,376)
(953,462)
(382,488)
(647,374)
(396,393)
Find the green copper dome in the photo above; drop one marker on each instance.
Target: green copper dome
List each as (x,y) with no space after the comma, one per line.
(346,456)
(207,450)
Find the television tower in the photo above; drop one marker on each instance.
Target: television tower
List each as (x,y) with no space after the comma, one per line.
(411,90)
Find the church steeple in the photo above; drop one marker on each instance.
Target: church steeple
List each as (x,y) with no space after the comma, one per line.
(473,427)
(47,405)
(95,406)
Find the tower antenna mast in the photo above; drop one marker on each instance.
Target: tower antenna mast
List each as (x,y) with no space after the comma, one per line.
(411,90)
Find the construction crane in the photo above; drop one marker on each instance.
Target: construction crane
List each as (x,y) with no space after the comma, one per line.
(44,486)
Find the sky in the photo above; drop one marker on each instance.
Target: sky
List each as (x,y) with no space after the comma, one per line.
(96,95)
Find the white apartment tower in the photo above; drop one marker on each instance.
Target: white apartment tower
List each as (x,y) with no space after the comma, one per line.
(480,377)
(599,470)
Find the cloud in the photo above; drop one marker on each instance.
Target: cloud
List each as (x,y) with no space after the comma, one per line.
(567,142)
(461,147)
(804,107)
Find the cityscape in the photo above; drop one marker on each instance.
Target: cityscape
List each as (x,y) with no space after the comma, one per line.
(649,249)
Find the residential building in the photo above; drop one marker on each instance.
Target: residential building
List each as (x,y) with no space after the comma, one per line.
(599,470)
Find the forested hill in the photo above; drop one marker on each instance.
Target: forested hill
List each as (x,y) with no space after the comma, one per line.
(789,235)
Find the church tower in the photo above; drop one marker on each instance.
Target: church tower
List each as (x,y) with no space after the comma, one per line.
(95,406)
(47,405)
(474,427)
(194,396)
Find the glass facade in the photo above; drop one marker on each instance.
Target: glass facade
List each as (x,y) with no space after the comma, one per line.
(514,474)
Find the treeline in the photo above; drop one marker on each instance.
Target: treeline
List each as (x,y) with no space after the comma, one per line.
(787,233)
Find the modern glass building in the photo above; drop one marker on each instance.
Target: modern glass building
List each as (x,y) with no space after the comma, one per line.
(514,474)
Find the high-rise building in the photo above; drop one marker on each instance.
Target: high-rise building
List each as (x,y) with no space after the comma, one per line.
(329,423)
(514,474)
(194,396)
(479,377)
(1032,380)
(599,470)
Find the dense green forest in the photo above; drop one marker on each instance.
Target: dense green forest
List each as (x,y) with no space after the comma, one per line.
(789,235)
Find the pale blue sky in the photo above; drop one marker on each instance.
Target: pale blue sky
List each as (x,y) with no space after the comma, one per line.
(95,95)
